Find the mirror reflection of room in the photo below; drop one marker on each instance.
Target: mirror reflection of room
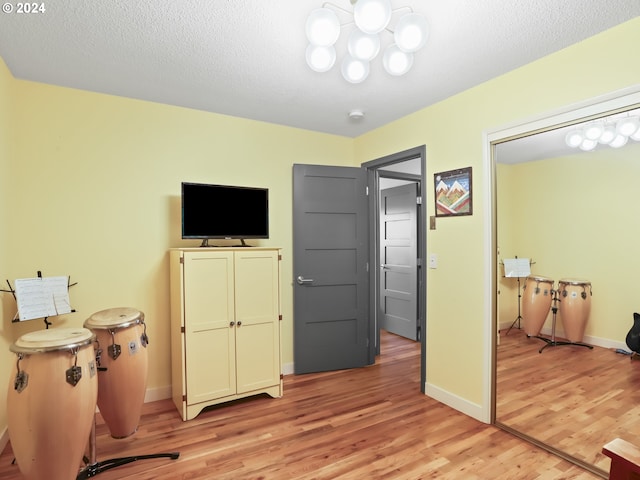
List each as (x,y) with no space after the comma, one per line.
(565,375)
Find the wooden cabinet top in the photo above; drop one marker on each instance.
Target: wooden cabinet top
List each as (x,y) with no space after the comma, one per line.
(221,249)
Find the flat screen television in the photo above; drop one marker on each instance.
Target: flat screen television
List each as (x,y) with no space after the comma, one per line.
(224,212)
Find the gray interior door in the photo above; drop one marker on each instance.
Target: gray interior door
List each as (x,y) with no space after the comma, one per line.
(331,284)
(399,260)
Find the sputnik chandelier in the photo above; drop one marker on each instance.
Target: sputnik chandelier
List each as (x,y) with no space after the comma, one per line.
(371,19)
(613,132)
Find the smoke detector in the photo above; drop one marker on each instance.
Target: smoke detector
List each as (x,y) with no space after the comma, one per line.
(356,114)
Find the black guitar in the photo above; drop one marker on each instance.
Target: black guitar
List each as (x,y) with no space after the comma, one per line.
(633,337)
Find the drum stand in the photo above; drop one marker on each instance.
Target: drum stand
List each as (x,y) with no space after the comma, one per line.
(519,317)
(553,342)
(94,468)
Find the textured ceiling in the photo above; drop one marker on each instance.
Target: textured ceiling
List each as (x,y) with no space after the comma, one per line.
(246,57)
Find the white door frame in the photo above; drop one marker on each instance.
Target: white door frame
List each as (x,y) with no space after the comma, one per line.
(564,116)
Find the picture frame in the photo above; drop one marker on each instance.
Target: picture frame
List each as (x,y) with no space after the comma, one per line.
(453,192)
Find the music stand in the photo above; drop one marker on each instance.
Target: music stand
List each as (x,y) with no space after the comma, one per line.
(517,268)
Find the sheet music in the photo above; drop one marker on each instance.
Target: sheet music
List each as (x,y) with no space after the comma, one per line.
(517,267)
(42,297)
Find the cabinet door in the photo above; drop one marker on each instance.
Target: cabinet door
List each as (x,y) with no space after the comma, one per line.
(209,334)
(257,304)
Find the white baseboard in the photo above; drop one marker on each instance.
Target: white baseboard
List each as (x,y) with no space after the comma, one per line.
(590,340)
(462,405)
(159,393)
(287,369)
(4,439)
(603,342)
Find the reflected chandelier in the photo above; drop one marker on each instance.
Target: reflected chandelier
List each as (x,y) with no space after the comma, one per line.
(616,133)
(371,18)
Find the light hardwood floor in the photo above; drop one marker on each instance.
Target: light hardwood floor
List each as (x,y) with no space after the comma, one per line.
(573,398)
(368,423)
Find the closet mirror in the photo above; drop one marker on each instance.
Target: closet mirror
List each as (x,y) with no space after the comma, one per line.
(567,228)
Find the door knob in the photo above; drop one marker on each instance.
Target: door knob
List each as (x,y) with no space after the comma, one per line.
(301,280)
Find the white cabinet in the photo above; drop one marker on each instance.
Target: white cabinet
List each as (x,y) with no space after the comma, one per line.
(225,325)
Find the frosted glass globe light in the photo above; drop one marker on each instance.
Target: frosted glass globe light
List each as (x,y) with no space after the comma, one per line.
(395,61)
(574,138)
(363,46)
(593,131)
(619,141)
(588,145)
(320,59)
(322,27)
(411,32)
(628,126)
(608,134)
(372,16)
(354,70)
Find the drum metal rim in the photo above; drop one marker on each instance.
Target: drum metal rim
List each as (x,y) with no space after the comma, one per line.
(571,281)
(115,325)
(112,326)
(539,278)
(52,348)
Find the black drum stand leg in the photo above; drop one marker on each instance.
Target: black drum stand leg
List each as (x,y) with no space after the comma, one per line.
(93,468)
(552,342)
(99,467)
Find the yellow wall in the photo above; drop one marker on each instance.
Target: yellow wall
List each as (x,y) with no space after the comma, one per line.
(94,193)
(575,217)
(452,130)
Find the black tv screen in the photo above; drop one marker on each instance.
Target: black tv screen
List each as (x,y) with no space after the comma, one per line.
(224,211)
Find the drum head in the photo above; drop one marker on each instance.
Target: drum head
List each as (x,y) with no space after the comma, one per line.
(112,318)
(52,339)
(573,281)
(538,278)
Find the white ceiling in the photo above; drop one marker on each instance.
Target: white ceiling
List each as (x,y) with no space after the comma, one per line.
(246,57)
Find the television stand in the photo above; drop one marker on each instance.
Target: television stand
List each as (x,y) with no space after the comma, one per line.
(205,243)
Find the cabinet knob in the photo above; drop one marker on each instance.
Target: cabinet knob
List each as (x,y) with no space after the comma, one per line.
(239,323)
(232,324)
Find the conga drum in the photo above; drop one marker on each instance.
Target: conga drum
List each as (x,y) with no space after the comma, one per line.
(122,367)
(575,306)
(51,401)
(536,303)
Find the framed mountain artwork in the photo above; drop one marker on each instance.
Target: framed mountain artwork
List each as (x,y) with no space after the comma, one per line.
(453,193)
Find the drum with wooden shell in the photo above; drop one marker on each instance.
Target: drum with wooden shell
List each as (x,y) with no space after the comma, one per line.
(536,303)
(51,401)
(575,306)
(122,367)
